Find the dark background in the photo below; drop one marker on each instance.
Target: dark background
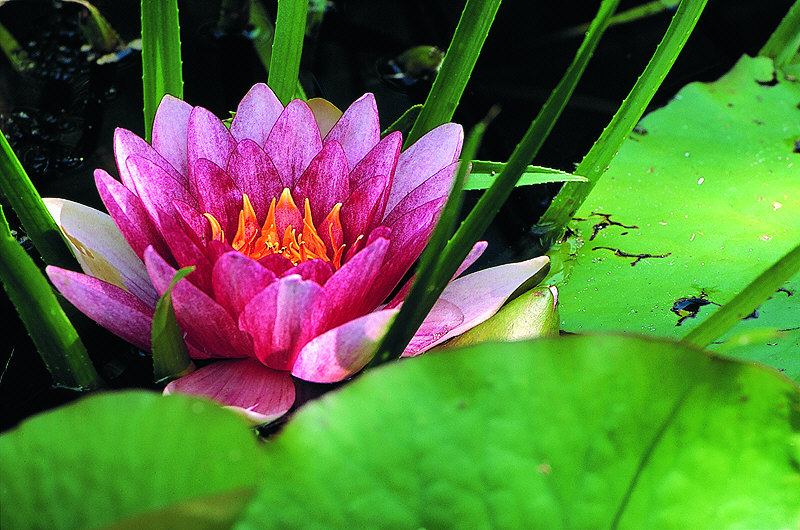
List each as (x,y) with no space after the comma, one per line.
(60,116)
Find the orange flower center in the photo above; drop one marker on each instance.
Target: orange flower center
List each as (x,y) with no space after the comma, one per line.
(258,242)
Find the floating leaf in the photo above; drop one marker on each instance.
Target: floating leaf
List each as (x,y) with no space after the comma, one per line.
(701,199)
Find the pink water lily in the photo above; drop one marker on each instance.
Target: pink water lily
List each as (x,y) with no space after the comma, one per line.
(300,222)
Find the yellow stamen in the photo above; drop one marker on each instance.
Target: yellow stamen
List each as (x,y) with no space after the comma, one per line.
(296,247)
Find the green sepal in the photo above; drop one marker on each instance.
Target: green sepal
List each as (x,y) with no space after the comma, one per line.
(170,355)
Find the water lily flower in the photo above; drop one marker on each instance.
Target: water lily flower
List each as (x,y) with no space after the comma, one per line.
(300,222)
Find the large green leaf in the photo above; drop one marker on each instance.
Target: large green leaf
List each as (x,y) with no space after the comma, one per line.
(581,432)
(116,455)
(708,186)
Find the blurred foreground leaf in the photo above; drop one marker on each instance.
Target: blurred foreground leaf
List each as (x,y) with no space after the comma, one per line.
(117,455)
(577,432)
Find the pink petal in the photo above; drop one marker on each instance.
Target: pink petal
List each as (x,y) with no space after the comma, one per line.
(156,188)
(208,138)
(113,308)
(325,113)
(184,246)
(344,350)
(260,392)
(316,270)
(293,142)
(100,249)
(409,238)
(256,114)
(477,296)
(348,286)
(361,209)
(434,151)
(358,130)
(127,144)
(129,214)
(474,254)
(282,319)
(204,320)
(276,263)
(255,174)
(236,279)
(439,185)
(325,182)
(381,160)
(217,195)
(170,132)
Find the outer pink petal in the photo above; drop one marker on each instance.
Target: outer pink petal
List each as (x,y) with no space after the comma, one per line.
(156,188)
(113,308)
(204,320)
(255,174)
(256,114)
(434,151)
(437,186)
(208,138)
(127,144)
(477,296)
(170,132)
(325,182)
(129,215)
(381,160)
(282,319)
(358,130)
(100,249)
(237,279)
(474,254)
(293,142)
(344,350)
(348,286)
(262,393)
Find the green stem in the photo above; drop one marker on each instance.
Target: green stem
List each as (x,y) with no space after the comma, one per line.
(32,213)
(456,69)
(784,41)
(263,37)
(746,301)
(287,48)
(490,202)
(161,56)
(424,292)
(51,331)
(596,162)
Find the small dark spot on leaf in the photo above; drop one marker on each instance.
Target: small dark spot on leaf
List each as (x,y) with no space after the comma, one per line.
(462,404)
(639,130)
(638,257)
(796,146)
(606,222)
(624,233)
(730,104)
(771,82)
(744,399)
(758,122)
(752,315)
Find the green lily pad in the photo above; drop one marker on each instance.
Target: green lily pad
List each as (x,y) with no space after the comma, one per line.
(577,432)
(116,455)
(700,200)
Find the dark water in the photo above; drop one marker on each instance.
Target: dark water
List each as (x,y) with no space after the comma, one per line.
(61,114)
